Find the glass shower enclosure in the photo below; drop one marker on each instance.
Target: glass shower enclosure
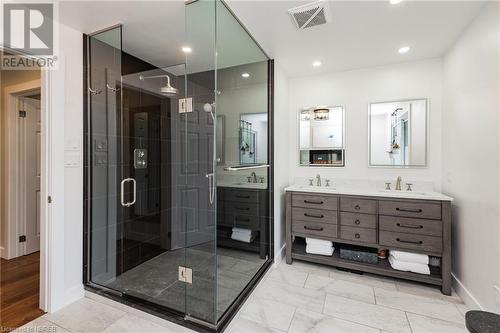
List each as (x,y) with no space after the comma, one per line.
(177,197)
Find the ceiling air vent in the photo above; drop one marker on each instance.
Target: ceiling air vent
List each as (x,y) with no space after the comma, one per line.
(310,15)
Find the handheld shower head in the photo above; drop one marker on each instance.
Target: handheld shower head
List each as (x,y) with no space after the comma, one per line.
(167,90)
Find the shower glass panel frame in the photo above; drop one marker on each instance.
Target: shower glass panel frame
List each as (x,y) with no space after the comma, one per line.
(156,197)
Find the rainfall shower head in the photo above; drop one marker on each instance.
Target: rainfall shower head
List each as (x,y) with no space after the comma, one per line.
(167,90)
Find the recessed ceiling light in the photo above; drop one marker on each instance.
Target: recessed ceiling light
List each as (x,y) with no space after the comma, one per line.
(395,2)
(316,63)
(404,49)
(245,75)
(186,49)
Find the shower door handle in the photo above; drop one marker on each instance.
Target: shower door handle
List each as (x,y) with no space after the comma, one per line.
(211,187)
(122,192)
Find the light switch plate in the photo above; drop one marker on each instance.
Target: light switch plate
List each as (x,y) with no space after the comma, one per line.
(185,274)
(186,105)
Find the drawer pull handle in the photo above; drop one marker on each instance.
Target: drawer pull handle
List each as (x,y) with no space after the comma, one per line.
(409,210)
(357,236)
(313,202)
(242,196)
(313,228)
(357,222)
(357,207)
(315,216)
(410,226)
(242,220)
(241,208)
(409,242)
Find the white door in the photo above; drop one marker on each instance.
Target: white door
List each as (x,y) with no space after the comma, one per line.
(30,175)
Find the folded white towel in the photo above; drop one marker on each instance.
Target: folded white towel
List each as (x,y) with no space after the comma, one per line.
(409,266)
(243,237)
(314,241)
(410,257)
(242,230)
(318,249)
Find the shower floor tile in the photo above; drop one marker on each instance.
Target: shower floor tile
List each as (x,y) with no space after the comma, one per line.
(212,291)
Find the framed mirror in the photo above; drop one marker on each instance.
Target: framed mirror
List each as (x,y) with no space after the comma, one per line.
(398,133)
(321,136)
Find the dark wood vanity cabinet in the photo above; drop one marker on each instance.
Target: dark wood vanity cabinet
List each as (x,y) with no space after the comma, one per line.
(419,226)
(243,208)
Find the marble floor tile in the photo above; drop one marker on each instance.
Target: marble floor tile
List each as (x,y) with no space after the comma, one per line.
(269,313)
(311,322)
(421,289)
(426,306)
(366,279)
(292,295)
(41,325)
(377,316)
(85,315)
(344,288)
(288,275)
(134,324)
(243,325)
(463,309)
(422,324)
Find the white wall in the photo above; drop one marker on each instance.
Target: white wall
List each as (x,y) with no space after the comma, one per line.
(471,157)
(65,238)
(281,147)
(355,90)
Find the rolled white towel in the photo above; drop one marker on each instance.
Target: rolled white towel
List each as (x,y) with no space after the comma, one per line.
(242,230)
(409,266)
(246,238)
(314,241)
(410,257)
(319,249)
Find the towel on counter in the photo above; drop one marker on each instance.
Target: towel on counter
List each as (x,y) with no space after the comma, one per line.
(313,241)
(410,257)
(319,249)
(409,266)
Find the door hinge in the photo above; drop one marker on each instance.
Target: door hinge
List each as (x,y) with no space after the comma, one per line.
(22,114)
(22,239)
(49,199)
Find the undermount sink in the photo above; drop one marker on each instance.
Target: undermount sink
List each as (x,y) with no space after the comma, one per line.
(405,193)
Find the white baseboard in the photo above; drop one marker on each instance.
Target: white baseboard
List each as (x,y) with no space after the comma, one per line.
(465,294)
(280,255)
(2,250)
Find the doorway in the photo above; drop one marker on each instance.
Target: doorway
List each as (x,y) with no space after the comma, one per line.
(21,200)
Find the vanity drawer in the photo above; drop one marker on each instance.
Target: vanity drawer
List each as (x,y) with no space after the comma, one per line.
(411,225)
(242,208)
(241,196)
(359,234)
(358,220)
(411,241)
(314,201)
(314,229)
(425,210)
(314,215)
(242,221)
(355,205)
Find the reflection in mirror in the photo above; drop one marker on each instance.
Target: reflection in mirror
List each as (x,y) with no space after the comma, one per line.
(253,138)
(321,136)
(398,133)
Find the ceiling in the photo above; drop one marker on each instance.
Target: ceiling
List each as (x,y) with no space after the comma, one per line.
(360,33)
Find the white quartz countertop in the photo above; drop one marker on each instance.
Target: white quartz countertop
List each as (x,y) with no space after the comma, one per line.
(243,185)
(371,192)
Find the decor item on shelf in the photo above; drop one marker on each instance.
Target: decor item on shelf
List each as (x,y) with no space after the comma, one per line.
(409,262)
(382,253)
(434,261)
(243,235)
(319,246)
(358,253)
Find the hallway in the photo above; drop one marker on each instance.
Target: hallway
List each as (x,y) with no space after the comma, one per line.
(19,291)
